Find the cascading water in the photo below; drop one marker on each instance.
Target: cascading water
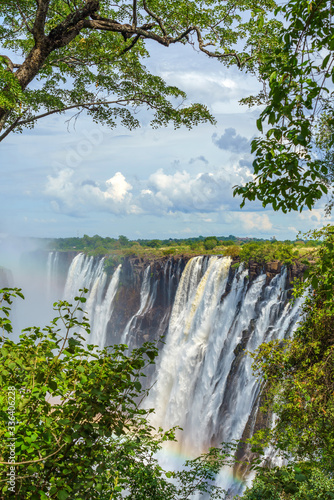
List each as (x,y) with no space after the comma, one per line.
(51,273)
(204,383)
(88,272)
(210,313)
(146,302)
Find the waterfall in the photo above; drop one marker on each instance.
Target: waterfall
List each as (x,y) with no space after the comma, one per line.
(52,273)
(88,272)
(210,314)
(205,382)
(147,298)
(104,311)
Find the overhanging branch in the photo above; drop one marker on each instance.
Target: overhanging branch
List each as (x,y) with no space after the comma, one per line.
(11,66)
(86,105)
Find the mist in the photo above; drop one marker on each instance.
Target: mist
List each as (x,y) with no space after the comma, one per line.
(24,265)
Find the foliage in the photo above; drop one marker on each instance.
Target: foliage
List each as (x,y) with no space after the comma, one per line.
(232,251)
(88,244)
(254,249)
(87,55)
(154,244)
(75,416)
(169,251)
(210,242)
(293,159)
(299,372)
(110,263)
(98,252)
(123,241)
(298,481)
(262,252)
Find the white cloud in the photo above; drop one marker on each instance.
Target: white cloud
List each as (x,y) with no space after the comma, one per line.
(315,217)
(202,82)
(71,196)
(118,188)
(186,192)
(251,222)
(160,194)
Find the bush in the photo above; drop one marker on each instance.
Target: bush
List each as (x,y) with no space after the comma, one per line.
(98,252)
(232,251)
(169,251)
(154,243)
(111,263)
(262,252)
(298,481)
(210,242)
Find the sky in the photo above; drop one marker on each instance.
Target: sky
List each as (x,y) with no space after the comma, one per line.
(145,183)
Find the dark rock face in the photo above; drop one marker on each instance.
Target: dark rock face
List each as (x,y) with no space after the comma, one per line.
(271,269)
(150,319)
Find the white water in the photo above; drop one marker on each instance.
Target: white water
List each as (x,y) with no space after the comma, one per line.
(87,272)
(146,302)
(203,383)
(197,387)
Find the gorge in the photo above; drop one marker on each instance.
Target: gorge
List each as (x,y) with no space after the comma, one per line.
(209,311)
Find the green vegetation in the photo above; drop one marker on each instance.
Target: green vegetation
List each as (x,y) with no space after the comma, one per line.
(293,164)
(268,251)
(87,55)
(299,372)
(94,441)
(74,413)
(300,481)
(245,249)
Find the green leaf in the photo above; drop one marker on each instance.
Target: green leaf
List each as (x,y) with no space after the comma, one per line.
(62,495)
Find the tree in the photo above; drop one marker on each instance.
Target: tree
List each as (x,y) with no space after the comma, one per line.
(298,373)
(210,242)
(298,481)
(86,55)
(71,425)
(123,241)
(293,158)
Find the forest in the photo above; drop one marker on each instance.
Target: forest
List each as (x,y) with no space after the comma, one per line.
(75,438)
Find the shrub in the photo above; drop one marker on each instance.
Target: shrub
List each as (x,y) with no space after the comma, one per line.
(210,242)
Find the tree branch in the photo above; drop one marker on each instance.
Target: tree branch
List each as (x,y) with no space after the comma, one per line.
(18,122)
(157,18)
(68,29)
(9,129)
(39,24)
(25,21)
(9,63)
(33,461)
(129,47)
(134,14)
(202,48)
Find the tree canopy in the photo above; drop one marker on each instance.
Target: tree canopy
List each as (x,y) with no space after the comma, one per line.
(87,55)
(293,157)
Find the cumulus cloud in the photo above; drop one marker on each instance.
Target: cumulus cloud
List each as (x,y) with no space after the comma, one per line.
(184,192)
(74,197)
(251,222)
(315,217)
(213,85)
(159,194)
(230,141)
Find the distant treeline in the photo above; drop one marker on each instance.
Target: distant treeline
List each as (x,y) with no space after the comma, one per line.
(102,246)
(242,249)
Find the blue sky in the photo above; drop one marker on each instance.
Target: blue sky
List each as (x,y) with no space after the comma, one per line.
(144,183)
